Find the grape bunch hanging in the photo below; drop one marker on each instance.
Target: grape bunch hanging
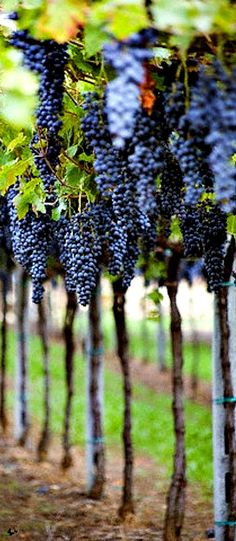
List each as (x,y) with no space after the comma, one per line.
(172,158)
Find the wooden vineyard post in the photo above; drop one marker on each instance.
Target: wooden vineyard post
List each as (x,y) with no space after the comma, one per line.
(127,506)
(95,454)
(224,393)
(3,416)
(195,346)
(161,341)
(144,329)
(176,496)
(43,333)
(21,404)
(68,332)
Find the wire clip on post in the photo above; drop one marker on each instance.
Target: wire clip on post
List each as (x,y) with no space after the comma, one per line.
(223,523)
(224,400)
(95,441)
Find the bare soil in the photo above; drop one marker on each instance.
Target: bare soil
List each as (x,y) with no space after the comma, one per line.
(150,375)
(39,502)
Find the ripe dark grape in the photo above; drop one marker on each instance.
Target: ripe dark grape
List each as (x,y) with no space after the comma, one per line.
(146,160)
(107,159)
(30,238)
(47,59)
(191,228)
(127,179)
(123,93)
(212,118)
(174,105)
(79,252)
(171,186)
(189,157)
(214,237)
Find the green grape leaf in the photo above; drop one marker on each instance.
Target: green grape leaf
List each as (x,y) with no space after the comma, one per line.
(94,39)
(18,141)
(85,158)
(10,171)
(57,212)
(175,231)
(31,193)
(121,17)
(155,296)
(71,151)
(89,188)
(72,176)
(81,63)
(231,225)
(84,86)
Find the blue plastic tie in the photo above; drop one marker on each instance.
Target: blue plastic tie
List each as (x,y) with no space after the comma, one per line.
(95,441)
(224,400)
(95,352)
(227,284)
(225,522)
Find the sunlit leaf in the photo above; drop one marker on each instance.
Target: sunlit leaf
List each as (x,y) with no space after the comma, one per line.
(231,225)
(56,212)
(94,38)
(155,296)
(61,19)
(31,194)
(120,17)
(18,141)
(10,171)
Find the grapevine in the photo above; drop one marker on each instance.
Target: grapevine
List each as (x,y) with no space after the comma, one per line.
(145,154)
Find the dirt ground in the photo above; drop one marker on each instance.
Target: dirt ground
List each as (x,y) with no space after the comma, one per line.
(150,375)
(38,502)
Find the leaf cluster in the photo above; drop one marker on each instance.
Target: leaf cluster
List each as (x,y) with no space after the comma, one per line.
(86,26)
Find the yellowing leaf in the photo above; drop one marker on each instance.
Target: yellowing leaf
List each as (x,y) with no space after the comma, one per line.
(61,19)
(10,171)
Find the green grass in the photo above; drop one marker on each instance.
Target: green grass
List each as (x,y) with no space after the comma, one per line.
(143,345)
(152,418)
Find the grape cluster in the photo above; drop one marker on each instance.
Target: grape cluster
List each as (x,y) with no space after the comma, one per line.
(82,256)
(189,158)
(107,159)
(32,236)
(47,59)
(191,227)
(148,167)
(5,233)
(212,118)
(127,181)
(174,105)
(146,161)
(123,93)
(30,239)
(171,187)
(214,237)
